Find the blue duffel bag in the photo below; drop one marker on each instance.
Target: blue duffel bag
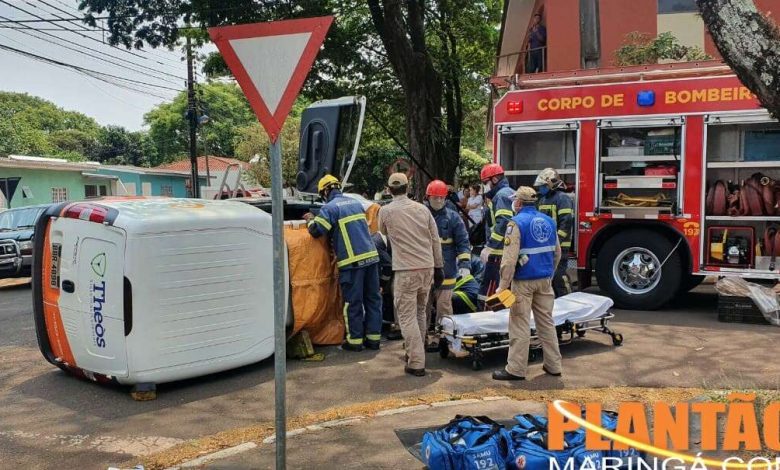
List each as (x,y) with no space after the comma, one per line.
(530,449)
(466,443)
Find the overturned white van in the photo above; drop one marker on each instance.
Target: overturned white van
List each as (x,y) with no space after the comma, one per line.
(145,291)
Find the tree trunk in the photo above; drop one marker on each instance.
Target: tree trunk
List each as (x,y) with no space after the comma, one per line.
(749,43)
(404,41)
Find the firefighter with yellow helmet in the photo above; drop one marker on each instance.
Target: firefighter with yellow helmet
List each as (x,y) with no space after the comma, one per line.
(344,221)
(554,203)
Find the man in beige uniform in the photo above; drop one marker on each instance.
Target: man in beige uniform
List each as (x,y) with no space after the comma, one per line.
(531,253)
(417,264)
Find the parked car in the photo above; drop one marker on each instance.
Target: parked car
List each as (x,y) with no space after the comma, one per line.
(17,228)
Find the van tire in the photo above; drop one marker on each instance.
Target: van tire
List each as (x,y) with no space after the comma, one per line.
(625,267)
(690,282)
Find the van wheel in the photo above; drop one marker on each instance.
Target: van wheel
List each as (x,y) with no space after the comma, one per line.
(628,268)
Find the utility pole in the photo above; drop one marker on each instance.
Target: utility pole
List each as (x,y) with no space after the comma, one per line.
(192,115)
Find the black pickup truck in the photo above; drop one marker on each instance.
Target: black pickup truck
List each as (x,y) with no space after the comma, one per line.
(16,240)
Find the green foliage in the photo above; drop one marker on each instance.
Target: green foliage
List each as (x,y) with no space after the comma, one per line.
(34,126)
(117,146)
(470,165)
(640,49)
(227,109)
(251,140)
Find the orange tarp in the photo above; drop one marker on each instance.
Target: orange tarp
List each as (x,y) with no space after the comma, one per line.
(315,293)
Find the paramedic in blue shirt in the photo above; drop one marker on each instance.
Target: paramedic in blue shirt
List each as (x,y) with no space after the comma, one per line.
(344,220)
(531,253)
(455,247)
(498,215)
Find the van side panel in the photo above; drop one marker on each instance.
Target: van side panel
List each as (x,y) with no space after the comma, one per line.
(55,330)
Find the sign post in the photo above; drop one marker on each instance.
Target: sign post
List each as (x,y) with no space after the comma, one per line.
(270,62)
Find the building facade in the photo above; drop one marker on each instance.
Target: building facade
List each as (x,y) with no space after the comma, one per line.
(34,180)
(591,31)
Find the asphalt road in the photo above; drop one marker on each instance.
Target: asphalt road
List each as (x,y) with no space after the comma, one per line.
(51,420)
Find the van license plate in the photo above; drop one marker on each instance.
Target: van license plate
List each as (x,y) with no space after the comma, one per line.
(56,254)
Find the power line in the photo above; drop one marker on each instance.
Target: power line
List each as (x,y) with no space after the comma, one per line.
(78,22)
(30,31)
(85,70)
(115,17)
(44,29)
(91,39)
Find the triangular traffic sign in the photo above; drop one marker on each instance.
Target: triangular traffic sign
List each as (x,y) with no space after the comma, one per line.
(270,62)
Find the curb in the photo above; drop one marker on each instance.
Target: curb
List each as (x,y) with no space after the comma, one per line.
(349,421)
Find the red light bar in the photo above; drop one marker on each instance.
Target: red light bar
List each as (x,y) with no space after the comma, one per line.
(514,107)
(89,212)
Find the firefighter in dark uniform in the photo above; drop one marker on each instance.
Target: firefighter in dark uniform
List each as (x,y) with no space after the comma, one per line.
(344,220)
(499,214)
(554,203)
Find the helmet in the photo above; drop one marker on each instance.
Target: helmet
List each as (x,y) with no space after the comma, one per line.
(525,194)
(490,170)
(436,188)
(548,177)
(326,182)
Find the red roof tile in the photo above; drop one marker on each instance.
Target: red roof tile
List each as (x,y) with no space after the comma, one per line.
(215,164)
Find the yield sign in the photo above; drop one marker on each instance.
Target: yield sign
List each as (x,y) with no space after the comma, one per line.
(270,62)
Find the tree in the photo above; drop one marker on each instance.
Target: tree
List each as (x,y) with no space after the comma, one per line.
(414,60)
(33,126)
(251,141)
(470,165)
(227,109)
(118,146)
(750,43)
(640,49)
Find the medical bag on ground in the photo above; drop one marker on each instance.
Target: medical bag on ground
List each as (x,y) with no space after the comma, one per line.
(466,443)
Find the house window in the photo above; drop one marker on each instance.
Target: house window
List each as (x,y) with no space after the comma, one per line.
(94,190)
(166,190)
(59,195)
(676,6)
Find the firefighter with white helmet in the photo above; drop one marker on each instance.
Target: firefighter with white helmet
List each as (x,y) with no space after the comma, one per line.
(554,203)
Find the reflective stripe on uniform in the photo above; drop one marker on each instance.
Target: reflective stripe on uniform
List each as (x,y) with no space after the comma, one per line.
(448,282)
(496,237)
(374,337)
(536,251)
(551,208)
(346,324)
(565,211)
(566,245)
(465,299)
(446,241)
(322,222)
(465,256)
(345,235)
(355,259)
(496,251)
(464,280)
(562,234)
(504,212)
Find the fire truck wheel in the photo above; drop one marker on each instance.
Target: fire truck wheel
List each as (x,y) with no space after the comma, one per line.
(690,282)
(628,268)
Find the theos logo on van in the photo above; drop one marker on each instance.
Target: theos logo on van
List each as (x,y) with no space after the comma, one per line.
(97,290)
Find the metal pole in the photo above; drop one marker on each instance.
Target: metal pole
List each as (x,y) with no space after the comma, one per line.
(192,114)
(280,336)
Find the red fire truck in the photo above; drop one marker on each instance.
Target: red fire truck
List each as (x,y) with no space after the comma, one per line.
(664,171)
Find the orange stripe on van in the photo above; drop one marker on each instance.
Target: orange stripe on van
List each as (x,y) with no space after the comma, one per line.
(51,308)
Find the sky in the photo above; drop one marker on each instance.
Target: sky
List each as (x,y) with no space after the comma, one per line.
(107,103)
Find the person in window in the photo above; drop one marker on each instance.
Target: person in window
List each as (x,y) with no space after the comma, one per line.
(537,45)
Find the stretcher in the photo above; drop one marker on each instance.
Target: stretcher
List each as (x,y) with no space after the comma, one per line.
(474,334)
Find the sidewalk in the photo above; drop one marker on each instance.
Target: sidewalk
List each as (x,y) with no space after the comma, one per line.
(370,442)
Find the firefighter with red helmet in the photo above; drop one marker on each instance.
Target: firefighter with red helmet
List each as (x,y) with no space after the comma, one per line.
(554,203)
(454,244)
(500,213)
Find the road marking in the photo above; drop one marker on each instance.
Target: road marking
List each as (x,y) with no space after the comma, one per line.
(135,446)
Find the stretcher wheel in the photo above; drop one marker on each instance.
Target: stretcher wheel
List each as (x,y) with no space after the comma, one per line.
(476,364)
(581,333)
(617,339)
(444,349)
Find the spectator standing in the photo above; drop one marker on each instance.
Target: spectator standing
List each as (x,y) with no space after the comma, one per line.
(417,265)
(474,204)
(537,46)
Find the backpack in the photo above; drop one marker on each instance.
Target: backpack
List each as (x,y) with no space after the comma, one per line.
(466,443)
